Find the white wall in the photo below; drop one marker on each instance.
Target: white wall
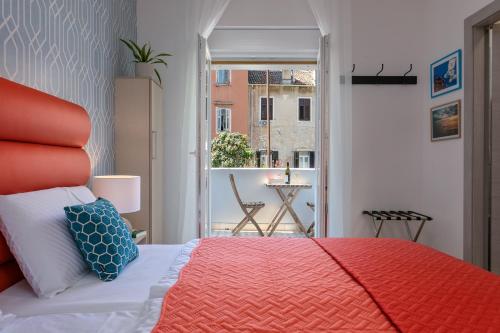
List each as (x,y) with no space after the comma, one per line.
(394,162)
(386,125)
(337,24)
(442,170)
(247,44)
(265,13)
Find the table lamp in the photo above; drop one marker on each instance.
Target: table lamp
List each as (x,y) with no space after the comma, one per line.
(124,192)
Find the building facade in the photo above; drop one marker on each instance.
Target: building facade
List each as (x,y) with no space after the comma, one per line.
(239,104)
(229,94)
(292,105)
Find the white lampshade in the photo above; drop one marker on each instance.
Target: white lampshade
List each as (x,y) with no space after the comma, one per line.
(124,192)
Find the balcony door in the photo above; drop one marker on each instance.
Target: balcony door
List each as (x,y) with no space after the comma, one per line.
(203,138)
(263,117)
(322,137)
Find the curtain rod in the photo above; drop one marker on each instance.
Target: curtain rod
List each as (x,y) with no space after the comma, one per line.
(270,27)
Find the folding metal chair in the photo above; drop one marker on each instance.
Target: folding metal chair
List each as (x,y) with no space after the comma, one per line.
(248,208)
(310,230)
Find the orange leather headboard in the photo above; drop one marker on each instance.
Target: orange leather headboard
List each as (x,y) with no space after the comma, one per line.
(41,141)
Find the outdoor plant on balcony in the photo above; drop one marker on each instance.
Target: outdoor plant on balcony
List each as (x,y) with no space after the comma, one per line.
(231,150)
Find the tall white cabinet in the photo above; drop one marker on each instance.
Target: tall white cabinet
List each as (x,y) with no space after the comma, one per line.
(139,148)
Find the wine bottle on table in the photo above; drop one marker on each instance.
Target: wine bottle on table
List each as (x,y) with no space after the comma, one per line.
(288,174)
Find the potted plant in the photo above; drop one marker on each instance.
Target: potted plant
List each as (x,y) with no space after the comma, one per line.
(145,60)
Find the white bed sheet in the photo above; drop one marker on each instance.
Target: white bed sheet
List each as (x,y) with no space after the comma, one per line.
(114,322)
(126,294)
(141,319)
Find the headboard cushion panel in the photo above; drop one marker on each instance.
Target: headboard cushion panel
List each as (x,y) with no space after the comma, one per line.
(29,115)
(41,140)
(5,254)
(10,273)
(31,167)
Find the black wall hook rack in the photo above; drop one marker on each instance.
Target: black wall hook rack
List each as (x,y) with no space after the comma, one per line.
(405,79)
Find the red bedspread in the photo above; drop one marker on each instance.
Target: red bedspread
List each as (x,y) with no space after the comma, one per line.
(267,285)
(421,289)
(328,285)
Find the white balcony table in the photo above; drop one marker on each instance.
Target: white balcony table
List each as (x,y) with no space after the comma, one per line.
(287,194)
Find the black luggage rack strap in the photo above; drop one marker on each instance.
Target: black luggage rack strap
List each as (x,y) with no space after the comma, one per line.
(381,216)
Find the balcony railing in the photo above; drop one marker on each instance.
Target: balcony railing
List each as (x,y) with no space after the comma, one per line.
(251,184)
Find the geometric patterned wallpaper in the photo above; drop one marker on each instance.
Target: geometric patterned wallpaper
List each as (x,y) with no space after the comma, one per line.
(71,49)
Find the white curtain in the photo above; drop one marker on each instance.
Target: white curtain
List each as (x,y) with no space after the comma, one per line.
(202,17)
(333,19)
(322,13)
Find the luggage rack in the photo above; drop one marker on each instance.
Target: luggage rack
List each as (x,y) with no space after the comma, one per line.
(381,216)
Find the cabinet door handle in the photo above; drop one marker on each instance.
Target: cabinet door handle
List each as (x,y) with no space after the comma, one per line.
(154,144)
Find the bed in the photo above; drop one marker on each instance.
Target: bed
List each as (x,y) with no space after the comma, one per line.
(223,284)
(95,306)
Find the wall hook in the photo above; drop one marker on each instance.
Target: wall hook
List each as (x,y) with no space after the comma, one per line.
(353,68)
(411,68)
(381,70)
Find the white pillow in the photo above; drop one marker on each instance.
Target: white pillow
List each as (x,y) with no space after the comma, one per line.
(35,228)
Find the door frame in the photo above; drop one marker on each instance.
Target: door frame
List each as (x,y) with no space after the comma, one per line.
(323,135)
(322,129)
(476,110)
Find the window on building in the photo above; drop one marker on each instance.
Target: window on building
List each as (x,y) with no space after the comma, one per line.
(263,108)
(261,156)
(263,160)
(223,120)
(303,159)
(287,76)
(223,76)
(304,109)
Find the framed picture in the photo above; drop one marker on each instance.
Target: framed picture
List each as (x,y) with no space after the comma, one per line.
(446,121)
(446,74)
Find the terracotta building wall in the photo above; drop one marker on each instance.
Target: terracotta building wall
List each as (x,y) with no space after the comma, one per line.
(233,96)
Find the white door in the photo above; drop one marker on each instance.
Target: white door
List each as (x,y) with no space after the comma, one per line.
(203,138)
(322,134)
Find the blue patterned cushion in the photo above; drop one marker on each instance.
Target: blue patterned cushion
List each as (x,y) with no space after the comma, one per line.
(102,237)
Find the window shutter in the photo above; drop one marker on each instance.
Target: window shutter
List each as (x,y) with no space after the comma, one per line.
(218,123)
(257,155)
(271,108)
(227,119)
(311,159)
(307,109)
(301,109)
(263,106)
(295,159)
(275,157)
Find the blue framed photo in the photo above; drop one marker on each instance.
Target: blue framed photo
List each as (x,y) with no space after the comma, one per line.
(446,74)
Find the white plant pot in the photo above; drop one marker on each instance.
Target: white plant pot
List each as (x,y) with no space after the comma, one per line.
(146,70)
